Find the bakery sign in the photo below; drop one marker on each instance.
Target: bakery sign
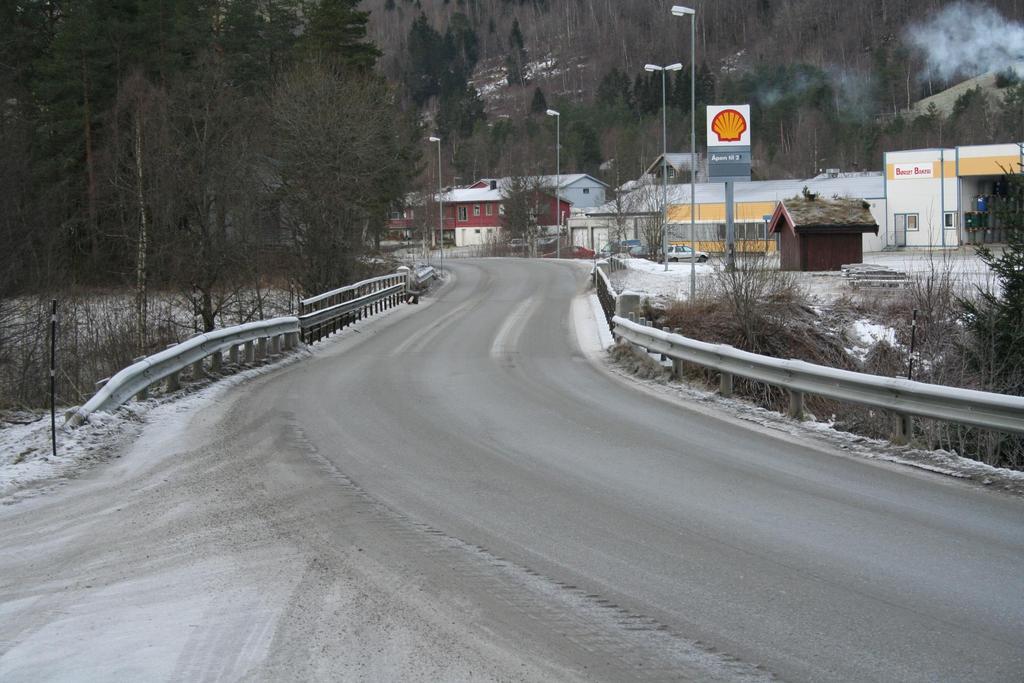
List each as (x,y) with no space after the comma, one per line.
(906,171)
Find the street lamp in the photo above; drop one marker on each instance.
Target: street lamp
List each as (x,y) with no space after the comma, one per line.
(558,179)
(664,156)
(680,11)
(440,201)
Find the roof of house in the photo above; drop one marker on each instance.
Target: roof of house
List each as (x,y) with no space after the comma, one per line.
(481,191)
(812,213)
(677,160)
(857,185)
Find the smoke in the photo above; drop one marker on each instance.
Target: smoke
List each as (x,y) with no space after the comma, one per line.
(969,38)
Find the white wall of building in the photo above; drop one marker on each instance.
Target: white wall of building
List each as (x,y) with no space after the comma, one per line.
(921,189)
(584,193)
(469,237)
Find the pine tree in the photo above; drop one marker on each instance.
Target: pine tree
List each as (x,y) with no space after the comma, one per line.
(515,62)
(539,104)
(337,31)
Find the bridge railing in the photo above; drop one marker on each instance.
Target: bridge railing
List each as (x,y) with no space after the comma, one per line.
(320,316)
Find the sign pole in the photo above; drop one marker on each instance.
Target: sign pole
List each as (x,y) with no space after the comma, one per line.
(730,227)
(53,376)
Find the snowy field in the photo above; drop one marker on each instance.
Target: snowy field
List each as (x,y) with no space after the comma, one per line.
(963,266)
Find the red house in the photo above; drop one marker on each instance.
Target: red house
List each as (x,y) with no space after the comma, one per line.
(473,214)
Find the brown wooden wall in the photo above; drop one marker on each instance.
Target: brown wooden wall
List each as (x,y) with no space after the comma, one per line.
(830,252)
(789,250)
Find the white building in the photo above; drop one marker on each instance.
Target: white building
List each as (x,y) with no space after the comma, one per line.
(946,197)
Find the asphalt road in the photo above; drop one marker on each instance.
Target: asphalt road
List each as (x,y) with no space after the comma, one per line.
(461,494)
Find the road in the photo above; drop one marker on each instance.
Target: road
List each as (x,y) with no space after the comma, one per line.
(460,493)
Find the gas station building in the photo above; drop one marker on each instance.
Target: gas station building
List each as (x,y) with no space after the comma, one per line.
(927,198)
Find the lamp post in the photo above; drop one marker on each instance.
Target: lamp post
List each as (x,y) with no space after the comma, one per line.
(680,11)
(558,179)
(664,156)
(440,202)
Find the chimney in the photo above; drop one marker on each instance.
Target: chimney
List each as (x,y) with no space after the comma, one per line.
(494,184)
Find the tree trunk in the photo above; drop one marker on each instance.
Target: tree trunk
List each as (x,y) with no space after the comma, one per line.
(140,255)
(90,172)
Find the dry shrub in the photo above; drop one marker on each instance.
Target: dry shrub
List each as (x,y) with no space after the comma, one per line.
(760,309)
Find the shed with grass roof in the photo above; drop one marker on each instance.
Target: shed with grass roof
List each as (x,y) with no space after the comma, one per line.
(816,233)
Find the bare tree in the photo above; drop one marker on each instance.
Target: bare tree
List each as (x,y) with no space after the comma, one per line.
(342,159)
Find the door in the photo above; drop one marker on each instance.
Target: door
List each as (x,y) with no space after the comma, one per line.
(900,229)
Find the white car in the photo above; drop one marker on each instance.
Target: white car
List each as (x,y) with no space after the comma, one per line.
(680,252)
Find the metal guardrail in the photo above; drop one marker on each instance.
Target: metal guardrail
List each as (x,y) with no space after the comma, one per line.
(321,315)
(605,292)
(258,339)
(325,314)
(420,276)
(325,321)
(903,397)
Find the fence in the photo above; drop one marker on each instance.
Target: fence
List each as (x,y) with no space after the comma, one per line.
(319,317)
(905,398)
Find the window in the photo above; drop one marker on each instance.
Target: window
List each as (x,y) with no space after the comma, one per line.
(586,190)
(490,209)
(950,219)
(501,209)
(476,209)
(463,213)
(477,231)
(911,222)
(395,215)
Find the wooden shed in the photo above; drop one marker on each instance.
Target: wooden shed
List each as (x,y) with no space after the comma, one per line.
(821,234)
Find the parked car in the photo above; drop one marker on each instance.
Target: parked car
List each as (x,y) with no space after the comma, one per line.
(579,251)
(619,247)
(639,251)
(681,252)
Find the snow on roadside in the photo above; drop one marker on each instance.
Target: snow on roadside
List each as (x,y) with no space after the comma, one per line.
(591,340)
(28,467)
(938,461)
(652,280)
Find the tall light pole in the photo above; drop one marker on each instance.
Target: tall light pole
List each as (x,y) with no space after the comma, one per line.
(558,179)
(440,201)
(680,11)
(664,156)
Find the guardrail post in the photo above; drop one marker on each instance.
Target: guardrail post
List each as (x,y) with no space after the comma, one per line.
(796,404)
(250,352)
(275,345)
(233,354)
(725,385)
(173,381)
(261,348)
(294,340)
(904,429)
(217,360)
(628,302)
(197,369)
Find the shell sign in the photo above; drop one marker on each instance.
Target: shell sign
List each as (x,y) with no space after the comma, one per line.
(729,126)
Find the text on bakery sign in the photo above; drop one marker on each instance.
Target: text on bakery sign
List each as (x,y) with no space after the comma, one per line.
(901,171)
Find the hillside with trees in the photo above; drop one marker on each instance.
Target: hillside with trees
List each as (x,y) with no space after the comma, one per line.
(199,145)
(832,83)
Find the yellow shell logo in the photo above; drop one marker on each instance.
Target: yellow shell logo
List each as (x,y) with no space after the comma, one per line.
(729,125)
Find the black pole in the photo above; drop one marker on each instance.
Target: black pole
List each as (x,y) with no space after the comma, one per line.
(53,376)
(913,338)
